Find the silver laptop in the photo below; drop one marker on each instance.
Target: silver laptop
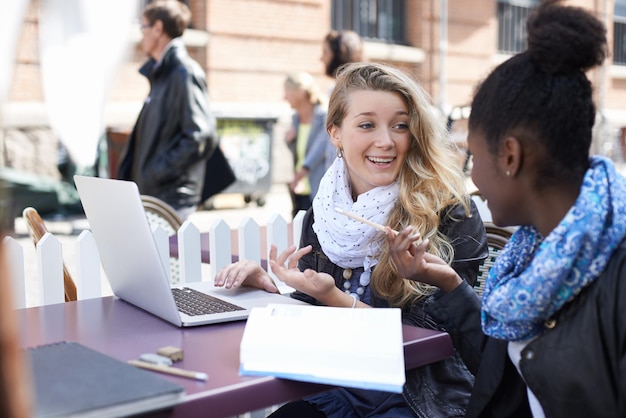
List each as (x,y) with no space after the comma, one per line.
(134,268)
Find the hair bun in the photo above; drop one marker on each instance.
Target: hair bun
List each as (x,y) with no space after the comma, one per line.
(563,39)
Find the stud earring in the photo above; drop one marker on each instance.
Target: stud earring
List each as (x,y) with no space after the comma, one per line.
(508,173)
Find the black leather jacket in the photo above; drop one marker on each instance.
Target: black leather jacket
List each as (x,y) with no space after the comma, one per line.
(576,368)
(441,389)
(174,133)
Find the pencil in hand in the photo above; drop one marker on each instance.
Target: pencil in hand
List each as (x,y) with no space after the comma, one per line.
(368,222)
(365,221)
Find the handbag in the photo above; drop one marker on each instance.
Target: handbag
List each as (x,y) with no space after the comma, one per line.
(218,175)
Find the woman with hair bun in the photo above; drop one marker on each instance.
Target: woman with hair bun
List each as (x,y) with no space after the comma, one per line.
(550,336)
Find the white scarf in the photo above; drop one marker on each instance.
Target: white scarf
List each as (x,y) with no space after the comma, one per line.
(349,243)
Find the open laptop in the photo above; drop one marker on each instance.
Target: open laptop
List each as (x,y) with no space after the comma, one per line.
(133,265)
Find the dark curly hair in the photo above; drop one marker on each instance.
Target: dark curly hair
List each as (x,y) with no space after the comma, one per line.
(542,95)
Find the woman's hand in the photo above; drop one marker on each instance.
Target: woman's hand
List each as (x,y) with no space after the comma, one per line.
(244,273)
(318,285)
(414,263)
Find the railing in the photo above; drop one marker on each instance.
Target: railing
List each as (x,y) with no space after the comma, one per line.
(88,278)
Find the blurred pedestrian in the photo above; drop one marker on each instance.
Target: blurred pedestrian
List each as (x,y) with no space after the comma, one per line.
(175,132)
(307,138)
(339,48)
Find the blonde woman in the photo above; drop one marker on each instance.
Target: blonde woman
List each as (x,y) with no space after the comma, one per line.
(393,169)
(307,138)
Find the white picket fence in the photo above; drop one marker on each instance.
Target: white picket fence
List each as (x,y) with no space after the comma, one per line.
(88,277)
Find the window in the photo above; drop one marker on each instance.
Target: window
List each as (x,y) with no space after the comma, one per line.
(512,15)
(619,33)
(382,20)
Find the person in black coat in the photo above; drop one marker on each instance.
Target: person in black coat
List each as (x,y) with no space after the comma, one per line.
(175,132)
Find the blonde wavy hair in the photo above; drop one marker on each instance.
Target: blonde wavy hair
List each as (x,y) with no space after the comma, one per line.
(430,180)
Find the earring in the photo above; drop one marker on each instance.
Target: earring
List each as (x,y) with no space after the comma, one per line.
(339,152)
(508,173)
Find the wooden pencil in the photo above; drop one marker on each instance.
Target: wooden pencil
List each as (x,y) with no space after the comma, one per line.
(368,222)
(170,370)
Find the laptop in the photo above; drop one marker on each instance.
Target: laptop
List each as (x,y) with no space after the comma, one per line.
(132,263)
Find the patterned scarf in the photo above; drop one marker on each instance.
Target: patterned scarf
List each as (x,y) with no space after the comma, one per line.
(346,242)
(533,277)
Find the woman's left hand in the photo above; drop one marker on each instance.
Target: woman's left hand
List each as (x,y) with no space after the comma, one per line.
(414,263)
(285,267)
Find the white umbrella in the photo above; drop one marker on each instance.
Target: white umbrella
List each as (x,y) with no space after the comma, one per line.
(82,43)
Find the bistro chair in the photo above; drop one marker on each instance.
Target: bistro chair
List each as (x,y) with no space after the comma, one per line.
(497,237)
(37,229)
(161,214)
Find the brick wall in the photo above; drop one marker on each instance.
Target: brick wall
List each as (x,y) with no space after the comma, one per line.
(253,44)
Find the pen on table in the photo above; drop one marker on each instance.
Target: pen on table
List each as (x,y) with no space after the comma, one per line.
(367,222)
(170,370)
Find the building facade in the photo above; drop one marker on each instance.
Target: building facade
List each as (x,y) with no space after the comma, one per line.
(248,46)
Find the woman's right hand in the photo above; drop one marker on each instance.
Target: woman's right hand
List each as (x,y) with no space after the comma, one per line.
(244,273)
(412,261)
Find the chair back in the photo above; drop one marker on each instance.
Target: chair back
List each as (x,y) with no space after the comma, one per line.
(162,214)
(481,205)
(497,237)
(37,229)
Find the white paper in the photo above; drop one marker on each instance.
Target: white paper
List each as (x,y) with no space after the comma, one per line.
(360,348)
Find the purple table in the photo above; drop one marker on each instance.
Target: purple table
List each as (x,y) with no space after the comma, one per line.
(120,330)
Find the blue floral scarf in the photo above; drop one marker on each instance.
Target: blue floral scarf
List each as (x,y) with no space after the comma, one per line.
(534,277)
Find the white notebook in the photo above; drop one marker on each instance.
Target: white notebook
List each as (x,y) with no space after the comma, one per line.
(360,348)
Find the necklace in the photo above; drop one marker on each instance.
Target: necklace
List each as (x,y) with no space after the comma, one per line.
(364,281)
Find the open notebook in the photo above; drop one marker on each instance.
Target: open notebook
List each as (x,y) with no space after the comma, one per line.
(134,268)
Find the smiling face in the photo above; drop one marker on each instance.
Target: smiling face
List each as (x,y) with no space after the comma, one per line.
(375,138)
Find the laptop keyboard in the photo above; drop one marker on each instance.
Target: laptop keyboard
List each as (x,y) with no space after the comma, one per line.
(193,303)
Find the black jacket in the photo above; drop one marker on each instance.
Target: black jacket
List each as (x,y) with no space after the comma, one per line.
(575,368)
(440,389)
(174,133)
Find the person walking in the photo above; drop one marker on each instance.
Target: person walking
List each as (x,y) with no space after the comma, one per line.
(175,132)
(307,138)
